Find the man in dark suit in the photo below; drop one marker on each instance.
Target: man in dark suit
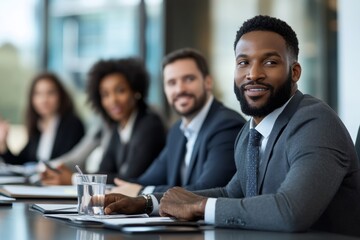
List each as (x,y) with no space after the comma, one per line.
(302,171)
(199,148)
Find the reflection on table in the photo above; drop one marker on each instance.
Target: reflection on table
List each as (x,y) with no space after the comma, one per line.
(19,222)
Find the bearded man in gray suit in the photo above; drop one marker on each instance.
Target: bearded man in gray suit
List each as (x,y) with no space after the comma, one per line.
(307,174)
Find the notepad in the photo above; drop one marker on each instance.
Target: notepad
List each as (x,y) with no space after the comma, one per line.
(97,221)
(12,179)
(6,199)
(55,208)
(21,191)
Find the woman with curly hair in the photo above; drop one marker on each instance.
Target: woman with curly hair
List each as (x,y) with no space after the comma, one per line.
(117,90)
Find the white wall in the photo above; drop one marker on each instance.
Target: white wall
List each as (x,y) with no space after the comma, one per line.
(349,60)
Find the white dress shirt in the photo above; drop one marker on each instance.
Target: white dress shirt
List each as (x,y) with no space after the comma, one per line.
(191,131)
(126,131)
(47,139)
(264,128)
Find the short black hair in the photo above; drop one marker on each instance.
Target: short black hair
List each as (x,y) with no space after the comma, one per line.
(185,53)
(132,69)
(267,23)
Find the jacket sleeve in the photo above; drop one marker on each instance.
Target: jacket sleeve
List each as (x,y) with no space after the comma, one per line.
(23,157)
(156,174)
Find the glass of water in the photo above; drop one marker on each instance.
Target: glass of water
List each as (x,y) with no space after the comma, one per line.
(91,193)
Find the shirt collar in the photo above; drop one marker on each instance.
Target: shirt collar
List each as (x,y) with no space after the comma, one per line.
(194,126)
(266,125)
(126,131)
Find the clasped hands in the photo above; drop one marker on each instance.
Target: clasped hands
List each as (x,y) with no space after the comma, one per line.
(176,202)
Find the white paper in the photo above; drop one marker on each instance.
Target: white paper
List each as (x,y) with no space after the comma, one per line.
(61,208)
(12,179)
(6,199)
(123,221)
(116,218)
(20,191)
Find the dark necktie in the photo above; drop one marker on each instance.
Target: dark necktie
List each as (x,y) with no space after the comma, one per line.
(252,163)
(184,168)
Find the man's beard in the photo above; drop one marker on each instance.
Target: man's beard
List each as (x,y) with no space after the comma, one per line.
(198,105)
(276,99)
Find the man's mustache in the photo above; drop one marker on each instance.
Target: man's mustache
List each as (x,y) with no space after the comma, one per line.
(183,95)
(242,87)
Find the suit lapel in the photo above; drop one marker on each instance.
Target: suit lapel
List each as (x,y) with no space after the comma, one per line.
(178,155)
(214,106)
(279,125)
(59,137)
(193,158)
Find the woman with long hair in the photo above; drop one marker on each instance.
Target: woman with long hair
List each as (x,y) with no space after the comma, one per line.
(51,123)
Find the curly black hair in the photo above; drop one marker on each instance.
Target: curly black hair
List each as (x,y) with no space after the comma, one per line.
(190,53)
(267,23)
(132,69)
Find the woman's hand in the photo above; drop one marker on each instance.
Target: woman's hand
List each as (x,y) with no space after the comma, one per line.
(61,177)
(126,188)
(4,131)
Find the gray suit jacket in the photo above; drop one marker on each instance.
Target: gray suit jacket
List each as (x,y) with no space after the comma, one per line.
(309,177)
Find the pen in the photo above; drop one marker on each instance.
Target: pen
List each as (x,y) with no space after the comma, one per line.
(47,164)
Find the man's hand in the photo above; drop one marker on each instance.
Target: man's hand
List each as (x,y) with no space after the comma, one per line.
(63,177)
(182,204)
(118,203)
(126,188)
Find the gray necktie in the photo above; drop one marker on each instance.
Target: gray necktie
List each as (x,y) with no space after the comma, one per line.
(252,163)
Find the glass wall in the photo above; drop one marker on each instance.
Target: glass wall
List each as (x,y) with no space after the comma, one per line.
(19,61)
(82,32)
(68,36)
(314,21)
(19,48)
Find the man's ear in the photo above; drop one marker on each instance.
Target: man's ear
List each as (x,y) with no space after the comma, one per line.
(295,72)
(208,83)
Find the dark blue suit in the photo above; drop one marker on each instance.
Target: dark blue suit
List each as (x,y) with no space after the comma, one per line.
(212,161)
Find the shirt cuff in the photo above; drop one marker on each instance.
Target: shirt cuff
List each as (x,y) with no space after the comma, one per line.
(155,210)
(148,190)
(210,211)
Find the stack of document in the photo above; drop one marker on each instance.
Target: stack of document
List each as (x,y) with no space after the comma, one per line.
(130,223)
(137,223)
(55,208)
(12,179)
(6,201)
(23,191)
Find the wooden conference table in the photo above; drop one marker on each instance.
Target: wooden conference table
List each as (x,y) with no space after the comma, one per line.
(20,223)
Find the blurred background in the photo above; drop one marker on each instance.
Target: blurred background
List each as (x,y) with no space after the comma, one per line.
(68,36)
